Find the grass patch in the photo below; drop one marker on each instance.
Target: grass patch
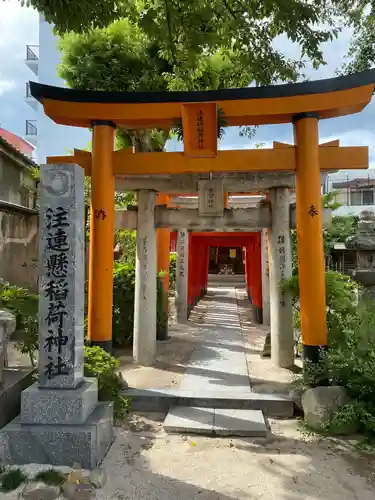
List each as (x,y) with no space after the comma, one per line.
(51,477)
(12,479)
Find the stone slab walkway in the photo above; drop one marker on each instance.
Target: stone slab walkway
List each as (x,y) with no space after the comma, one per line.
(217,421)
(219,364)
(218,367)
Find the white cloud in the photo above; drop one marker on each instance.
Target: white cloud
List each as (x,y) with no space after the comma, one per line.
(18,27)
(6,86)
(356,137)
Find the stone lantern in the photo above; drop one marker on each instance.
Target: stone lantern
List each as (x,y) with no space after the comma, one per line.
(364,244)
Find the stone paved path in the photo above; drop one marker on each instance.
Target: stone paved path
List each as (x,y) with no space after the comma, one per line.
(219,364)
(218,367)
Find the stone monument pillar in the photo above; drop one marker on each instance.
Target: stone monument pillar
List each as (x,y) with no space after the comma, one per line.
(282,337)
(61,421)
(265,278)
(364,244)
(144,347)
(182,275)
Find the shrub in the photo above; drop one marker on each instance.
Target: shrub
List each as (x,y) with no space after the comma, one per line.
(12,479)
(100,364)
(24,305)
(50,477)
(350,359)
(161,308)
(341,300)
(123,304)
(172,271)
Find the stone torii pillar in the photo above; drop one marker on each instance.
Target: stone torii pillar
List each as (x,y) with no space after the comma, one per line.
(144,342)
(182,273)
(282,338)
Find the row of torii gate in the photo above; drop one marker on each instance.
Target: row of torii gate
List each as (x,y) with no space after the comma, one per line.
(263,231)
(202,169)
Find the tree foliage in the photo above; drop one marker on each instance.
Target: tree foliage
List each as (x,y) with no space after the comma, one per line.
(183,29)
(208,37)
(361,54)
(340,228)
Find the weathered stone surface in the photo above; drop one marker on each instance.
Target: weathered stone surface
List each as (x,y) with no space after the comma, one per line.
(59,444)
(266,353)
(182,261)
(321,403)
(40,491)
(61,286)
(78,491)
(364,239)
(98,478)
(124,383)
(296,396)
(211,197)
(7,327)
(144,343)
(281,311)
(63,406)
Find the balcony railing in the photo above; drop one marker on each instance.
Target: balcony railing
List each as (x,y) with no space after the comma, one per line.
(31,128)
(31,52)
(28,91)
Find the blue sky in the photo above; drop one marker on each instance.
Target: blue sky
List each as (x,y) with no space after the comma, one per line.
(19,27)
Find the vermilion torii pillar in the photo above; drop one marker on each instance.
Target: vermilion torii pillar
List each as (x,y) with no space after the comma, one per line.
(162,247)
(310,236)
(102,228)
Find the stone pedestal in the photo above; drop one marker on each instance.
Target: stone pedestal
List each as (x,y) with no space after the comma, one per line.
(182,275)
(265,279)
(144,347)
(282,338)
(61,421)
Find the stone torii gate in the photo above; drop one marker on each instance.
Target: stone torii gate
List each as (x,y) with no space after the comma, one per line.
(302,104)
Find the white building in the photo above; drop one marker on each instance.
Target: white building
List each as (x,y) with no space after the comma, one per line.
(355,190)
(49,138)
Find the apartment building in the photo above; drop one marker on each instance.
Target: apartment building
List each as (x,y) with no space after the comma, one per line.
(49,138)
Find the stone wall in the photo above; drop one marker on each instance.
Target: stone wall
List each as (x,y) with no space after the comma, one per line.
(19,249)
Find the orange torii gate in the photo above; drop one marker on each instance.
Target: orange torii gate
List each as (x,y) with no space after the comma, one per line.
(302,104)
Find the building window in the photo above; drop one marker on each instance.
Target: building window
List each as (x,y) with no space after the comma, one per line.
(355,197)
(368,197)
(360,197)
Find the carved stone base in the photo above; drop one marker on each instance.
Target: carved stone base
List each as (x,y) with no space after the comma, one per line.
(59,444)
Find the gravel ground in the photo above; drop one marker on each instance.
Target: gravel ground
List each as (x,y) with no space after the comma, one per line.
(288,466)
(145,463)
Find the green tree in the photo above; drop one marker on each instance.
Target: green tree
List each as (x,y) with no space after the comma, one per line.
(340,228)
(132,53)
(361,54)
(183,29)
